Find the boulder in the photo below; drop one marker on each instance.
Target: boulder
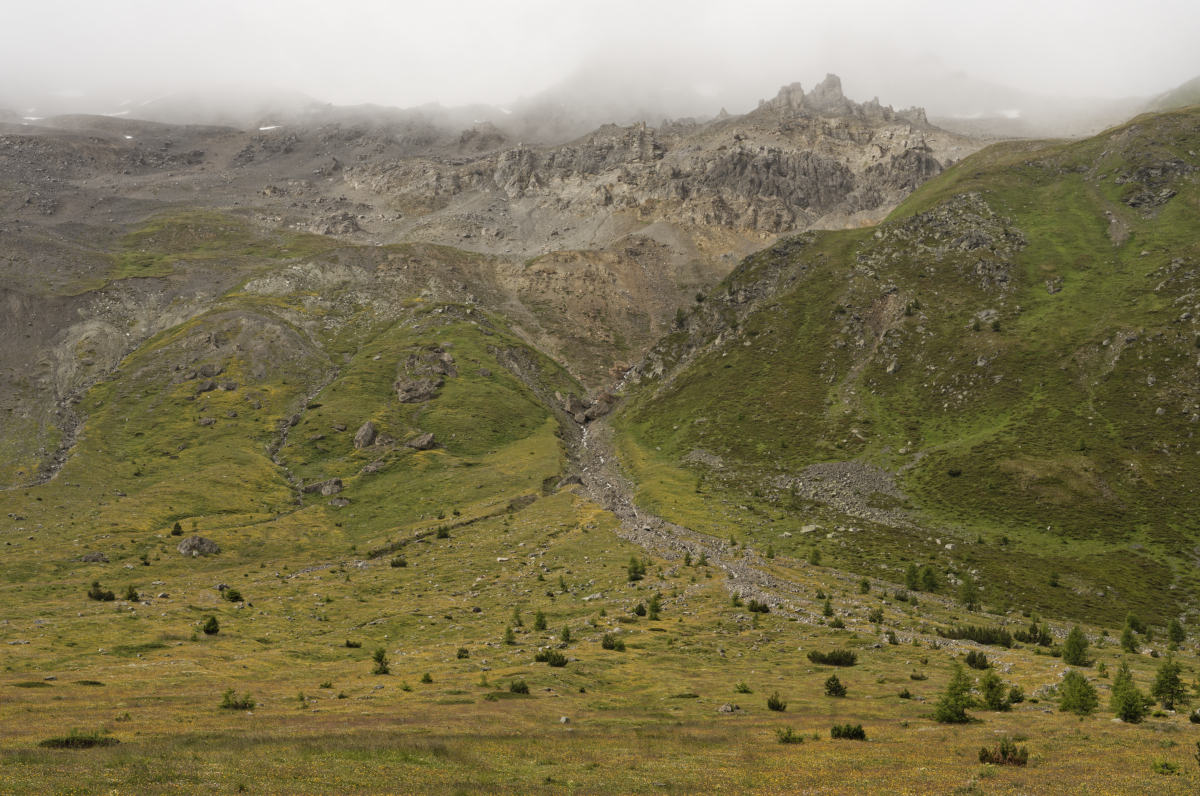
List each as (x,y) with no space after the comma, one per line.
(206,386)
(208,421)
(339,502)
(416,390)
(598,409)
(320,486)
(209,371)
(228,386)
(421,443)
(94,558)
(365,437)
(485,372)
(373,467)
(197,546)
(339,426)
(573,405)
(893,367)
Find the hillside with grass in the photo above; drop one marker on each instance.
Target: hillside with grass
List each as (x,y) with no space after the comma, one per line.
(901,509)
(1009,363)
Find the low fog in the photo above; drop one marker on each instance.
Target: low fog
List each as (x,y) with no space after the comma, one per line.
(235,61)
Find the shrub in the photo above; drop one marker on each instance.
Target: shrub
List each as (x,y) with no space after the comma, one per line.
(1016,695)
(381,661)
(834,658)
(539,621)
(891,637)
(656,607)
(1166,767)
(636,569)
(977,660)
(917,676)
(1168,687)
(1004,753)
(552,657)
(399,561)
(131,593)
(211,626)
(814,557)
(510,638)
(827,608)
(1175,633)
(786,735)
(97,593)
(326,684)
(875,616)
(755,607)
(443,531)
(232,595)
(864,586)
(991,636)
(177,530)
(565,635)
(1126,701)
(742,687)
(78,740)
(837,623)
(230,701)
(912,578)
(518,687)
(770,552)
(353,645)
(427,678)
(1077,695)
(994,695)
(640,609)
(611,642)
(848,732)
(929,581)
(1074,650)
(834,687)
(462,653)
(776,703)
(951,707)
(905,694)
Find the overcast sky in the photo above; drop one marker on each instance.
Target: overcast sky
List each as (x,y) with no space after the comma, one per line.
(409,53)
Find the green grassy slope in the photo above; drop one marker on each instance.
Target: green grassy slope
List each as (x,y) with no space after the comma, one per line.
(1068,428)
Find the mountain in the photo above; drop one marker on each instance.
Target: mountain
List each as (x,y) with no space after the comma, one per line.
(1179,97)
(1012,355)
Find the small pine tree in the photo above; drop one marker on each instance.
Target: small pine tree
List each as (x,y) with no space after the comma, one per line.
(968,593)
(655,607)
(834,687)
(381,661)
(177,530)
(827,608)
(131,593)
(952,706)
(1175,633)
(565,635)
(912,577)
(636,570)
(539,621)
(814,557)
(427,678)
(687,558)
(1168,687)
(211,626)
(1127,701)
(770,551)
(1129,641)
(994,692)
(864,586)
(510,638)
(703,562)
(929,581)
(776,703)
(516,617)
(1074,651)
(1076,695)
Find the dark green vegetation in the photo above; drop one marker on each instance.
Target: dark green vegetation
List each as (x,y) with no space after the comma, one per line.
(1015,350)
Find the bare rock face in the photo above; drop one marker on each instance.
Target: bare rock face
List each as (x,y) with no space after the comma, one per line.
(411,391)
(334,485)
(209,371)
(598,409)
(365,436)
(94,558)
(421,443)
(198,546)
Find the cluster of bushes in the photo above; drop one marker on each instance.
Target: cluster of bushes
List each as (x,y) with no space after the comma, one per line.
(1004,753)
(1039,635)
(78,740)
(788,735)
(399,561)
(755,607)
(834,658)
(923,579)
(611,642)
(977,660)
(849,732)
(97,593)
(637,569)
(991,636)
(230,701)
(552,657)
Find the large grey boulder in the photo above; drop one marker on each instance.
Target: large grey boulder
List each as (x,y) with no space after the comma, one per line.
(198,546)
(94,558)
(365,436)
(415,390)
(422,443)
(327,488)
